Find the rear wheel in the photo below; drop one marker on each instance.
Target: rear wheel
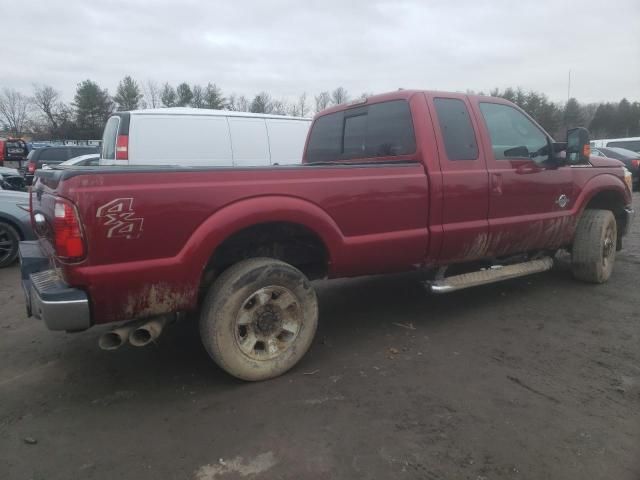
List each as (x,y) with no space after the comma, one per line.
(9,242)
(259,318)
(594,246)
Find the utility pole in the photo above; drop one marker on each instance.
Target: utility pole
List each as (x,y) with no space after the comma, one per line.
(569,87)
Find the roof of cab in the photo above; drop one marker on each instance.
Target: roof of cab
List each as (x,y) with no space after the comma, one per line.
(401,95)
(209,112)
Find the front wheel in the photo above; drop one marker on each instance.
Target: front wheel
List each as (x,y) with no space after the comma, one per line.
(259,318)
(594,246)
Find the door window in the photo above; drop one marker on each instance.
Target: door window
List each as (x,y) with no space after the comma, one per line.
(457,131)
(513,135)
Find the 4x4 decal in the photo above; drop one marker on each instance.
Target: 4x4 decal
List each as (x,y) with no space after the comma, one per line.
(120,219)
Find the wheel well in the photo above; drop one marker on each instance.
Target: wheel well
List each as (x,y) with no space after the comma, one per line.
(613,201)
(289,242)
(15,226)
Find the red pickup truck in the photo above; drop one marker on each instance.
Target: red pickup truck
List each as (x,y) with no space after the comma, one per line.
(468,189)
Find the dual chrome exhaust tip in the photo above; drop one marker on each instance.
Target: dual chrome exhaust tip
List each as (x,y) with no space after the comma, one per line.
(136,333)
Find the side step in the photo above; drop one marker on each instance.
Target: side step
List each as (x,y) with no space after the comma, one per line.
(494,274)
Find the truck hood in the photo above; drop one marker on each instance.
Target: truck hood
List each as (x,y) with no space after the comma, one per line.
(602,162)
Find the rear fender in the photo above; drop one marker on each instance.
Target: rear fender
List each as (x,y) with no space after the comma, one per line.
(246,213)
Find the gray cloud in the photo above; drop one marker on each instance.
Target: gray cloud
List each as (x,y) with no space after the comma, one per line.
(287,47)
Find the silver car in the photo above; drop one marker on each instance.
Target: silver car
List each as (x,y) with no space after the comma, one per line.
(15,224)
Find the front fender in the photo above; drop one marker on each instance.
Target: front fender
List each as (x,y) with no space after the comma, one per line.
(604,182)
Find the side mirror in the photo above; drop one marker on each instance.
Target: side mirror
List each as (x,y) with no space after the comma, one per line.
(578,146)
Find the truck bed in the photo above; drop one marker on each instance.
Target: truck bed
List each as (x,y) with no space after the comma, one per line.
(159,226)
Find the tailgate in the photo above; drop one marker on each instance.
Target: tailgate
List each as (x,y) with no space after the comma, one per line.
(48,297)
(43,194)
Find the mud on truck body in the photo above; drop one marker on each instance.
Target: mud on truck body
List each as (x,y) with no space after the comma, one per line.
(405,181)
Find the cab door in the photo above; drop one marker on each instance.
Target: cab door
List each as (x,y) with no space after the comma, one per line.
(530,196)
(465,185)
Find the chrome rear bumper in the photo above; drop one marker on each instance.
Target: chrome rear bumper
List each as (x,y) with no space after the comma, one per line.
(47,296)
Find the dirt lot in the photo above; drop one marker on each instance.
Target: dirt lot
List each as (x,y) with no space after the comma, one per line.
(532,379)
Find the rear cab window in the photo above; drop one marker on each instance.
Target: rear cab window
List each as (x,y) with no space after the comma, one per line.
(368,132)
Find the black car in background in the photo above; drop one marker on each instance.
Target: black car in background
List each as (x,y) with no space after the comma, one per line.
(53,156)
(630,159)
(12,179)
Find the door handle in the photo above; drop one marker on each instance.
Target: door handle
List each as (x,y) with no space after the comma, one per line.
(496,183)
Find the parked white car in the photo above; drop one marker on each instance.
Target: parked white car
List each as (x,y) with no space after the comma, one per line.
(200,137)
(91,160)
(630,143)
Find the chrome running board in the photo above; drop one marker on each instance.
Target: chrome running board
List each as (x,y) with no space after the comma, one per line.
(490,275)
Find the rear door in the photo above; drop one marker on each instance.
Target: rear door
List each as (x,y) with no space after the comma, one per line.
(530,197)
(286,140)
(465,183)
(249,141)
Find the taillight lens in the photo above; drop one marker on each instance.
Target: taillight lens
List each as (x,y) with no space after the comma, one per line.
(122,147)
(635,163)
(31,167)
(69,243)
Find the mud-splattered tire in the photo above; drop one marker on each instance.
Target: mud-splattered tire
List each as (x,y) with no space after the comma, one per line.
(9,243)
(259,318)
(594,246)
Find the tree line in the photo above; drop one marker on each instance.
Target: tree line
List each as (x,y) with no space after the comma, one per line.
(604,120)
(44,115)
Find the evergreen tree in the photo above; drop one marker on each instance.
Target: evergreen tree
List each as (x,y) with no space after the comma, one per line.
(185,95)
(92,108)
(573,116)
(128,94)
(213,97)
(261,103)
(168,96)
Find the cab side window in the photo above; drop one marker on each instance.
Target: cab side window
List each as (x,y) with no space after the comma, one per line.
(457,131)
(513,135)
(379,130)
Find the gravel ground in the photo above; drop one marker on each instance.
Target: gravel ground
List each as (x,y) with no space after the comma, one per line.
(536,378)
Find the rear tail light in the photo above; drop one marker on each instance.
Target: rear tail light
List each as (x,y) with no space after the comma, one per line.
(635,163)
(31,167)
(122,147)
(68,238)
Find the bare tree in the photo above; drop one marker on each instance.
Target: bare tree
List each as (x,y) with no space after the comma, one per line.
(323,100)
(339,95)
(14,108)
(238,103)
(47,100)
(198,97)
(279,107)
(300,107)
(151,94)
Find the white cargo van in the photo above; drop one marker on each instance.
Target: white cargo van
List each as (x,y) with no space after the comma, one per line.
(199,137)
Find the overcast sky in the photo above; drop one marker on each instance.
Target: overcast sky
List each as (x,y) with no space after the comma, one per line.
(288,47)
